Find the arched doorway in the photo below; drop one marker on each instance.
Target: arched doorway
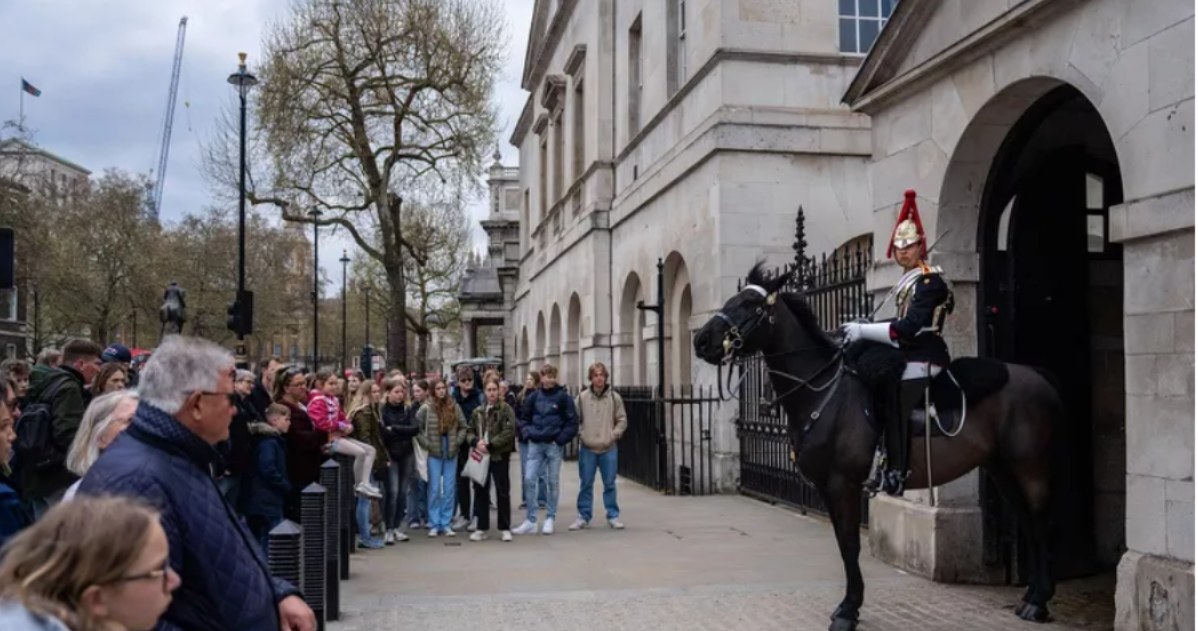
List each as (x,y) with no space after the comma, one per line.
(1051,296)
(630,364)
(539,358)
(554,352)
(677,317)
(524,357)
(572,355)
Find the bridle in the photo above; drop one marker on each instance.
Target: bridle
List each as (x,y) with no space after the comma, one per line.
(734,340)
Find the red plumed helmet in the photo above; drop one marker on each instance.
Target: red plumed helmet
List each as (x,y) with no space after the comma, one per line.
(908,229)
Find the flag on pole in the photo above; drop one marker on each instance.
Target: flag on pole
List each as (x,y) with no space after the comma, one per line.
(28,87)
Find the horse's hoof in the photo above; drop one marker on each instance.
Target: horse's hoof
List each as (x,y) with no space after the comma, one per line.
(842,624)
(1032,612)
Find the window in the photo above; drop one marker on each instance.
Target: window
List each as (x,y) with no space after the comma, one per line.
(860,23)
(634,77)
(559,149)
(525,225)
(544,168)
(8,304)
(580,134)
(10,351)
(1096,215)
(681,42)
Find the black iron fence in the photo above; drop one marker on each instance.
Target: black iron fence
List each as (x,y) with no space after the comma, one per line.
(834,286)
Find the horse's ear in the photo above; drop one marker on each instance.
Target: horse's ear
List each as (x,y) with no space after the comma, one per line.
(776,284)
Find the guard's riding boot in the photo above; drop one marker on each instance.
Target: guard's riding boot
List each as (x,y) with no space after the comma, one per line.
(886,403)
(898,443)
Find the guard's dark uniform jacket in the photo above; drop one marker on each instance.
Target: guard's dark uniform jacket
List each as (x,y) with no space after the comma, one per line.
(923,300)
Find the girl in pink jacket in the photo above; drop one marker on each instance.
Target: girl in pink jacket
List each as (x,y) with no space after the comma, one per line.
(325,411)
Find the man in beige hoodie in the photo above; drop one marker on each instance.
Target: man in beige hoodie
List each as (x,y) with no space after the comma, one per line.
(601,423)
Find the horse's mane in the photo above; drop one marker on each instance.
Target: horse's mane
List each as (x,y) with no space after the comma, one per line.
(797,305)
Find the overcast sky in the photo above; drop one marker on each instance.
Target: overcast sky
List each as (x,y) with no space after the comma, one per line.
(104,71)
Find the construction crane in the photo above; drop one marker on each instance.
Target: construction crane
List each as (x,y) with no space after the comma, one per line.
(165,150)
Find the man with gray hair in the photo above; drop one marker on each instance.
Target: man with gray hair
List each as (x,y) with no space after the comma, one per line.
(165,458)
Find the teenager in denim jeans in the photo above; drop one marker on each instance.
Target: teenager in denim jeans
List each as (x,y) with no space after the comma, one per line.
(531,384)
(442,432)
(552,424)
(601,423)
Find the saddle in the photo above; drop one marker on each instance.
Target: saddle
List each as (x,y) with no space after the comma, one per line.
(880,367)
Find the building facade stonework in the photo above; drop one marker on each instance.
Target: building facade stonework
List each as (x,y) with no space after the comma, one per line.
(686,131)
(1052,147)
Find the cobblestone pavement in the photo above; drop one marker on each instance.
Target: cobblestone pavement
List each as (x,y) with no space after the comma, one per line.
(723,562)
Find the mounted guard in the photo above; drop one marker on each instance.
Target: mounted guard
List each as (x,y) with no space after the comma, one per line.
(173,312)
(923,299)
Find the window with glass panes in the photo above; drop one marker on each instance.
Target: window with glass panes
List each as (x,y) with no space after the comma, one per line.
(860,23)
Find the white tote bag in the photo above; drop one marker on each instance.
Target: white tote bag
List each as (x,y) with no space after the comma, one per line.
(478,466)
(421,461)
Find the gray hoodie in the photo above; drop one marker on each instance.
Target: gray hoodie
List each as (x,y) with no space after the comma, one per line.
(14,617)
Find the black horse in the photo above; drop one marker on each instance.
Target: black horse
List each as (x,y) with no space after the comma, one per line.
(1008,432)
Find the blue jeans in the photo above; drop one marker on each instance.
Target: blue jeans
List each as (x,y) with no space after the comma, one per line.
(417,500)
(442,490)
(606,463)
(541,483)
(395,489)
(549,456)
(362,515)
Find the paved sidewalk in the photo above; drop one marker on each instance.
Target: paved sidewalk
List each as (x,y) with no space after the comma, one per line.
(723,562)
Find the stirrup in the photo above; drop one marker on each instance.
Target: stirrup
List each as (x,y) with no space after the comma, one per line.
(875,481)
(893,482)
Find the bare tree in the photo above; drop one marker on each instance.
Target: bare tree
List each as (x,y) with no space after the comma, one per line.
(364,101)
(440,233)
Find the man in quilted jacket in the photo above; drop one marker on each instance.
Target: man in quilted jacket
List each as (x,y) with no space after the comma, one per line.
(165,458)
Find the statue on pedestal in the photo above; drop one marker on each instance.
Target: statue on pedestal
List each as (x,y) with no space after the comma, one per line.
(173,312)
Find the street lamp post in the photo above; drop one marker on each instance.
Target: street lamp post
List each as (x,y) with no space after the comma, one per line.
(242,311)
(315,213)
(344,312)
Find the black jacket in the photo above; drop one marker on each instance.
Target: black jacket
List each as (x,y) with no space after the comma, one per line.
(238,451)
(399,428)
(917,343)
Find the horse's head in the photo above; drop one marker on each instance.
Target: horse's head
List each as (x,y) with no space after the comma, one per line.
(741,326)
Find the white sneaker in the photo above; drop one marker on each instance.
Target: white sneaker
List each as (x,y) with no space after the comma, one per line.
(547,529)
(616,524)
(578,524)
(432,533)
(478,535)
(368,491)
(459,523)
(389,538)
(450,533)
(473,525)
(507,535)
(399,536)
(527,528)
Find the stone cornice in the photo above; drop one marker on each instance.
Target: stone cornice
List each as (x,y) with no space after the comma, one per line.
(551,93)
(541,124)
(867,97)
(522,124)
(730,54)
(551,38)
(577,57)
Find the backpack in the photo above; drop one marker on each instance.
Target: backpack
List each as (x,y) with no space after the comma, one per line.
(35,433)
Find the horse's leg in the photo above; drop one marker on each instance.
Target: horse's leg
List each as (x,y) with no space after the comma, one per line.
(1034,486)
(1034,522)
(843,500)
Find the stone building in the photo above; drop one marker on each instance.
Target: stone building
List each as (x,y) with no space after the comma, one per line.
(1052,146)
(34,172)
(688,131)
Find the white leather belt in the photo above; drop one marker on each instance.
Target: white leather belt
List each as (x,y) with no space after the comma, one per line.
(919,370)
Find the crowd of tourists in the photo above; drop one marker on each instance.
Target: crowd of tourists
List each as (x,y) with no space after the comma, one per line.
(142,501)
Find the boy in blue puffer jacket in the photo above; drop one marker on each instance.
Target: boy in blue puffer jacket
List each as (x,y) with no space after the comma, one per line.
(552,422)
(268,483)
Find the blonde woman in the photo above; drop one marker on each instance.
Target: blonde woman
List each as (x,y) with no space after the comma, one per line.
(367,430)
(442,432)
(106,417)
(91,564)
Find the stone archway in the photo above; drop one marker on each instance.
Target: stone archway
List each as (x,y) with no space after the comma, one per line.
(677,318)
(539,357)
(630,342)
(553,354)
(522,349)
(572,371)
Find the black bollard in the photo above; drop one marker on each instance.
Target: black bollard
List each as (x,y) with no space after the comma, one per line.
(312,520)
(349,501)
(330,473)
(283,545)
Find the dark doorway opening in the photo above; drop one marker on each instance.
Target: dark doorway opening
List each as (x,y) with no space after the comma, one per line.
(1052,296)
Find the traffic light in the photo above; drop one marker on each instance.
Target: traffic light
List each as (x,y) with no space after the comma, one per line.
(241,314)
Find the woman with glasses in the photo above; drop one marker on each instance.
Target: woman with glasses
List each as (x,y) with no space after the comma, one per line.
(305,443)
(91,564)
(106,417)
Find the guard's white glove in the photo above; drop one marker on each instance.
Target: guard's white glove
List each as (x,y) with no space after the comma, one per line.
(873,331)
